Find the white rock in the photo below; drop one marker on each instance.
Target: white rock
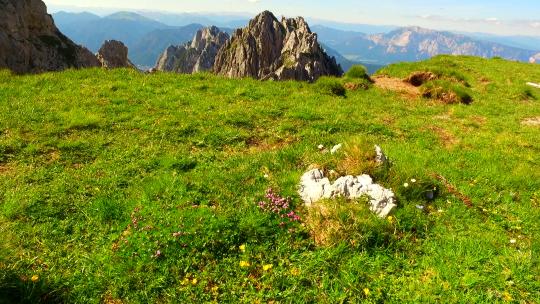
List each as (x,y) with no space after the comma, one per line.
(532,84)
(336,148)
(314,187)
(380,158)
(320,147)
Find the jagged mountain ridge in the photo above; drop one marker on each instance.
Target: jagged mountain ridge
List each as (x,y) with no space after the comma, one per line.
(270,49)
(197,56)
(375,49)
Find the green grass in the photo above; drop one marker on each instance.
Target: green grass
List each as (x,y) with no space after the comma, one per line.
(101,169)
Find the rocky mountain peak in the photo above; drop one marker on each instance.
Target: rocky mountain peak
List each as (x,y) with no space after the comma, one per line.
(197,56)
(114,54)
(208,36)
(270,49)
(31,43)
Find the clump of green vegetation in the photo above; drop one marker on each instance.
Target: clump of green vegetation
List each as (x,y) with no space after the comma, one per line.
(350,223)
(527,93)
(330,86)
(446,92)
(357,78)
(357,72)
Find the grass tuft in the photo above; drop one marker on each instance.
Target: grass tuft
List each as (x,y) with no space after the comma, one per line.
(330,86)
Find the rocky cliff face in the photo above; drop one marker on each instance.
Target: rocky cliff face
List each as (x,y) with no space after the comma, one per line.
(114,54)
(270,49)
(31,43)
(197,56)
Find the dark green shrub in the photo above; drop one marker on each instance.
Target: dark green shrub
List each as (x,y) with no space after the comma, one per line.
(330,86)
(357,72)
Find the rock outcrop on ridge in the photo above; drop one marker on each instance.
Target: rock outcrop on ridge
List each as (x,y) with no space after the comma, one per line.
(114,54)
(269,49)
(31,43)
(197,56)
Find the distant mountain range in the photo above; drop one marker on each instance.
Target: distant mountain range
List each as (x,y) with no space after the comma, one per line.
(413,44)
(148,35)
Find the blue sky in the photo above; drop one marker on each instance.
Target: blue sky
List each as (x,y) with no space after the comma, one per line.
(493,16)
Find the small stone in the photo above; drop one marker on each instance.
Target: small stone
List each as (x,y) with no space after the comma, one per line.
(336,148)
(380,158)
(320,147)
(430,195)
(420,207)
(513,241)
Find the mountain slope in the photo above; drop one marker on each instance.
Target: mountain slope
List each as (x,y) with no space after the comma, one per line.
(147,49)
(65,19)
(123,26)
(415,43)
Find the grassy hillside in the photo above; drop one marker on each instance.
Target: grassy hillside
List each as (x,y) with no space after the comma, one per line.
(121,187)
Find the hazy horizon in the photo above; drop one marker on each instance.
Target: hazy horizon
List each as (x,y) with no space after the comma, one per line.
(495,17)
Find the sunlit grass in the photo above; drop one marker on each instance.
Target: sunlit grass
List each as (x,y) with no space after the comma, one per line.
(117,185)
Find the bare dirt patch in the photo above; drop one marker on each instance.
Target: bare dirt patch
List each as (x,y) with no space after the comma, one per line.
(351,86)
(397,85)
(5,169)
(532,121)
(419,78)
(256,145)
(447,139)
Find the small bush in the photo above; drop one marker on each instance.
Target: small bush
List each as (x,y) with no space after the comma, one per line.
(357,72)
(447,92)
(330,86)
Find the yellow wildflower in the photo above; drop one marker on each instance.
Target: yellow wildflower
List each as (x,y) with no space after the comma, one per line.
(295,271)
(194,281)
(267,267)
(242,248)
(390,219)
(366,292)
(35,278)
(244,264)
(507,296)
